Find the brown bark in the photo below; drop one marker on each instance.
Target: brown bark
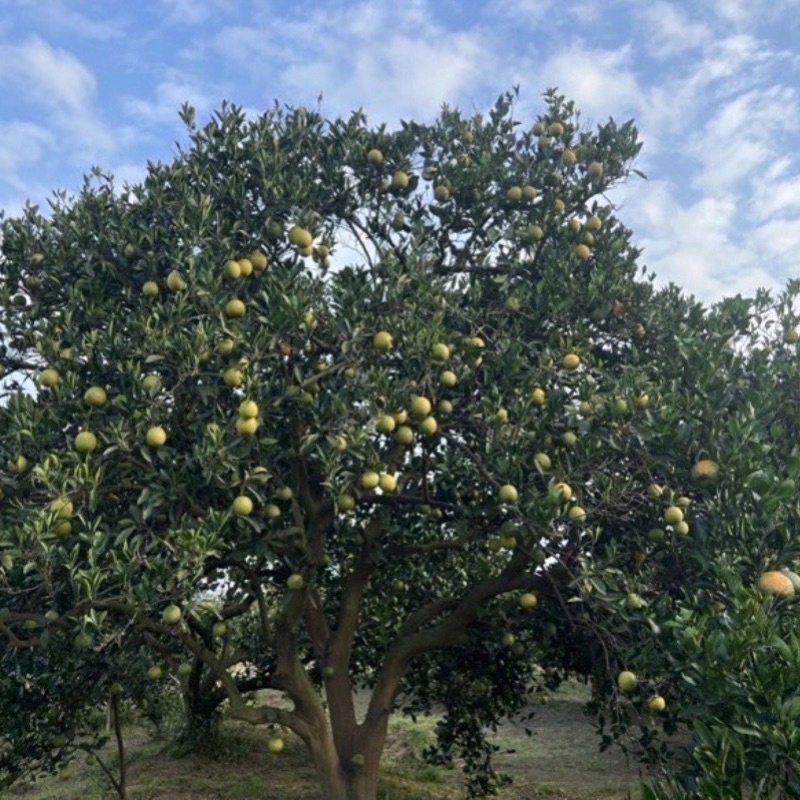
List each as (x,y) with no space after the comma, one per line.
(350,777)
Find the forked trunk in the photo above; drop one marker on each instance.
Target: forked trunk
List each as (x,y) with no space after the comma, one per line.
(357,780)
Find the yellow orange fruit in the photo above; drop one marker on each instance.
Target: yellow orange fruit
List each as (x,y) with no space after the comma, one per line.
(300,237)
(156,436)
(400,180)
(242,506)
(235,308)
(382,341)
(421,406)
(369,480)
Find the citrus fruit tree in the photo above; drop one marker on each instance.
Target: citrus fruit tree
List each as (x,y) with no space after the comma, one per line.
(404,405)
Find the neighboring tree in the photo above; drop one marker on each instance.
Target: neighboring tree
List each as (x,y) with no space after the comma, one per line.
(398,400)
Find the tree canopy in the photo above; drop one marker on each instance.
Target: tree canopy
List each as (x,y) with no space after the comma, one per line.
(406,407)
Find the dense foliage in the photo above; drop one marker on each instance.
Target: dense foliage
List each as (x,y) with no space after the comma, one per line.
(403,402)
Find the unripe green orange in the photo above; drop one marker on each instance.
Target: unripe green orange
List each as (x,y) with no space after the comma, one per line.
(49,378)
(538,396)
(385,423)
(295,581)
(627,682)
(245,267)
(232,377)
(171,615)
(404,435)
(85,442)
(508,494)
(248,409)
(175,281)
(95,396)
(346,503)
(440,352)
(595,170)
(428,426)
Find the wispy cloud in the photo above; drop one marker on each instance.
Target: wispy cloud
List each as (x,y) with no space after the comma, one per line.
(602,82)
(194,12)
(57,16)
(395,60)
(48,76)
(714,86)
(669,30)
(162,106)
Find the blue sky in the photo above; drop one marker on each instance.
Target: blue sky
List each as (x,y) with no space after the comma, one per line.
(714,86)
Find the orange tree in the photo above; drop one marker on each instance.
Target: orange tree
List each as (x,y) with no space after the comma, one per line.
(704,611)
(396,399)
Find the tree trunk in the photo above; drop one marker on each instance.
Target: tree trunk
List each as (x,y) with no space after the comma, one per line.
(352,779)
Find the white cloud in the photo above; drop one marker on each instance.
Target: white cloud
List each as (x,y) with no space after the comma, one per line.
(21,143)
(742,140)
(401,77)
(58,91)
(394,60)
(520,13)
(56,15)
(601,82)
(669,30)
(194,12)
(51,77)
(750,13)
(175,89)
(693,245)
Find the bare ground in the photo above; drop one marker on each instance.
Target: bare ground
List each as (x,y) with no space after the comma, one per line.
(559,760)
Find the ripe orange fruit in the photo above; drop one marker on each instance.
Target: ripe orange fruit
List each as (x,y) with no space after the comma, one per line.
(705,469)
(774,582)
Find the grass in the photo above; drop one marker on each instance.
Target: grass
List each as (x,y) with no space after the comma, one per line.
(559,761)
